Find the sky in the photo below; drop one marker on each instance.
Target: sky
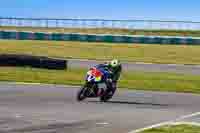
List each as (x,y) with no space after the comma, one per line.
(187,10)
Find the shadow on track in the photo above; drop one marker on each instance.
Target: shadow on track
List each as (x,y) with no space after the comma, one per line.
(131,103)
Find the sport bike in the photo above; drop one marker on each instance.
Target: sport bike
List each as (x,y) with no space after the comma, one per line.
(95,85)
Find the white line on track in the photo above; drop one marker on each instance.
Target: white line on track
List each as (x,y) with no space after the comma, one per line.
(29,83)
(186,123)
(171,122)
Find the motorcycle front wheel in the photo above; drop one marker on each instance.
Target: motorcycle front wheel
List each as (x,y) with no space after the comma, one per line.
(81,95)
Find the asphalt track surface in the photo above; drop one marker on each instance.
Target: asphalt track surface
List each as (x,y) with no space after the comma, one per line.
(54,109)
(171,68)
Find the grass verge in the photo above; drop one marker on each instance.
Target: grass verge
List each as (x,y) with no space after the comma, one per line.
(193,33)
(132,80)
(175,129)
(83,50)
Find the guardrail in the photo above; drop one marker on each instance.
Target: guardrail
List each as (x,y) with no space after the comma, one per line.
(99,23)
(99,38)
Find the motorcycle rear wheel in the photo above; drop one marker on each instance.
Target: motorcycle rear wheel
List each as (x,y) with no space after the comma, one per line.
(107,96)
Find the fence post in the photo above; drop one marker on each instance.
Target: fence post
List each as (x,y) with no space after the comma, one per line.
(47,23)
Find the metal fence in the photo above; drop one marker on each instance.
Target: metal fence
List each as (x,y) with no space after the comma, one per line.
(100,23)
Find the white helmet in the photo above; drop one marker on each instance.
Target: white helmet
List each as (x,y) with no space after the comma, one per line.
(114,63)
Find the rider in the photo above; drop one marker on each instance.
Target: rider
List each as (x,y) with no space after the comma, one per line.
(114,68)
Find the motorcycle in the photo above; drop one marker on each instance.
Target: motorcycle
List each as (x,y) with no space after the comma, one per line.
(95,86)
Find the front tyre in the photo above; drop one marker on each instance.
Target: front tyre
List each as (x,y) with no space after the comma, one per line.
(81,95)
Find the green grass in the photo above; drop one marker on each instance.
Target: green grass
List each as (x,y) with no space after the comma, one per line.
(107,31)
(175,129)
(131,80)
(83,50)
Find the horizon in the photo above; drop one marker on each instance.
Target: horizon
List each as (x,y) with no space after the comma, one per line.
(99,19)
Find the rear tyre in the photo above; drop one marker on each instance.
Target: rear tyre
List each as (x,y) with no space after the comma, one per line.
(107,96)
(81,95)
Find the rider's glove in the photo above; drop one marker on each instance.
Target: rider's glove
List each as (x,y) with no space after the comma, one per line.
(109,80)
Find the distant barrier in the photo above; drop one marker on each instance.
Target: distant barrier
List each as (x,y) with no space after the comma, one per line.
(32,61)
(99,38)
(100,23)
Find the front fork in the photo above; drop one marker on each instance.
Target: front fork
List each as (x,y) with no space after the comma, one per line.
(92,89)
